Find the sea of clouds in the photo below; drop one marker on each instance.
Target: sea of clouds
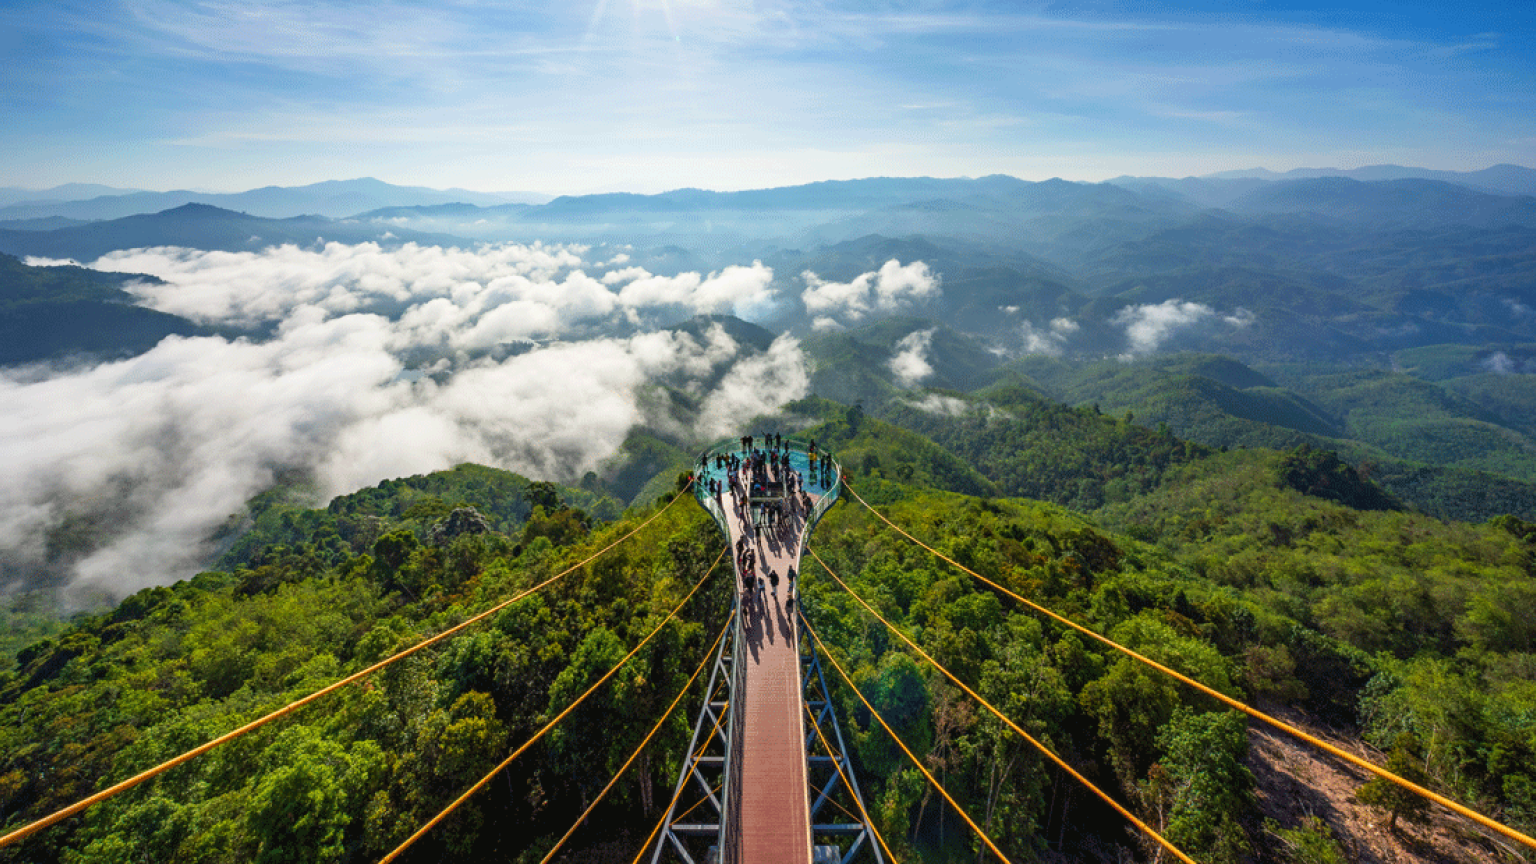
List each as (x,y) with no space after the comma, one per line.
(371,363)
(362,363)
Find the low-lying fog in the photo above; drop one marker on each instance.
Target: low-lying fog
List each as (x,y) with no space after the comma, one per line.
(379,363)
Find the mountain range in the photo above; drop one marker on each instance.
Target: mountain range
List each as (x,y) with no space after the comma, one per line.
(60,194)
(199,226)
(1503,178)
(341,198)
(334,198)
(1318,269)
(1219,189)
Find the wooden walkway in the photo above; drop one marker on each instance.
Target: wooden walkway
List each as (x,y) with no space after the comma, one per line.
(770,820)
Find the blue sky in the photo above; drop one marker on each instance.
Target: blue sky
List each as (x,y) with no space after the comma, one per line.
(646,95)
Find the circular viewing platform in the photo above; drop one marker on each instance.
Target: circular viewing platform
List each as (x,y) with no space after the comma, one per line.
(722,475)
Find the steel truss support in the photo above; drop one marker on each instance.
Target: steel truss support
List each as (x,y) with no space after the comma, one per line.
(695,824)
(841,836)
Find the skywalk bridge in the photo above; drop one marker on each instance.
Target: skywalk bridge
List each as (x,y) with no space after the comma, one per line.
(760,730)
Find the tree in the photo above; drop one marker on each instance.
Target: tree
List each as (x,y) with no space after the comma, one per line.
(392,550)
(301,809)
(1311,842)
(1386,795)
(897,691)
(1202,782)
(1321,473)
(542,493)
(583,747)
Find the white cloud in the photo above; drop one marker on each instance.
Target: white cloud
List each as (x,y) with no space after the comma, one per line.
(739,290)
(756,385)
(246,288)
(948,406)
(626,274)
(852,299)
(896,283)
(516,308)
(1148,326)
(1050,340)
(1499,364)
(888,289)
(909,362)
(183,434)
(1240,318)
(460,298)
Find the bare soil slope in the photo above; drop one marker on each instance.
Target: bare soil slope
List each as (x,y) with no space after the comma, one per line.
(1295,781)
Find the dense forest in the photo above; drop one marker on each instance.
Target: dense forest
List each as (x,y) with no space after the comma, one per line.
(1279,576)
(170,667)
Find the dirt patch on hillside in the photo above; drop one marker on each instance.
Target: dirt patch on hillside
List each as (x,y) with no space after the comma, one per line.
(1296,780)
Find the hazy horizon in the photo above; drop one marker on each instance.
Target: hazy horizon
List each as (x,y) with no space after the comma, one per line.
(621,189)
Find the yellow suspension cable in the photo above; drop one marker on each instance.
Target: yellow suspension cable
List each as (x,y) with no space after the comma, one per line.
(892,732)
(840,808)
(649,735)
(715,730)
(654,831)
(700,803)
(1104,796)
(484,781)
(1225,699)
(150,773)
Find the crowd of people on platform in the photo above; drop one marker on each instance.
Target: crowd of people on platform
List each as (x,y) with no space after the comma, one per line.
(770,469)
(769,501)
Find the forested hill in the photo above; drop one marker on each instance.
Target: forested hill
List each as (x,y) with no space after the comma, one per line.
(1447,429)
(52,312)
(1281,577)
(199,226)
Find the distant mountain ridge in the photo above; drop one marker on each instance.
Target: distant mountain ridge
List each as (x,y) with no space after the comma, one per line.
(1407,202)
(371,198)
(68,192)
(1054,216)
(1503,178)
(331,198)
(1221,188)
(201,226)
